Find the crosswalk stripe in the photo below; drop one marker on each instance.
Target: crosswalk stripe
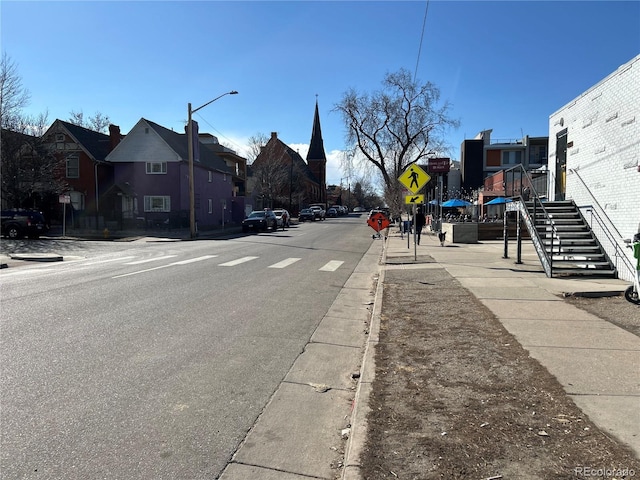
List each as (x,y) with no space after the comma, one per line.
(238,261)
(285,263)
(192,260)
(331,266)
(147,260)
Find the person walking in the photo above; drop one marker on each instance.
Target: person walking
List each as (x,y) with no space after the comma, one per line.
(419,223)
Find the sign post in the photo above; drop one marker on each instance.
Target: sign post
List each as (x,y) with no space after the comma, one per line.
(64,199)
(414,178)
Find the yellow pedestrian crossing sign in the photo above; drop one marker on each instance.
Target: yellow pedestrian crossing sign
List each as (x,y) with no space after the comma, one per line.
(414,178)
(413,199)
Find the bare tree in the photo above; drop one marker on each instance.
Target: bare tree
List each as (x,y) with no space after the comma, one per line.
(395,127)
(256,143)
(13,95)
(97,123)
(27,169)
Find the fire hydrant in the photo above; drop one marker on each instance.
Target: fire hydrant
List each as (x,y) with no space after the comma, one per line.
(105,232)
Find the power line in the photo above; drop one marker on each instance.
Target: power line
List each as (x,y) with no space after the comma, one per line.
(424,22)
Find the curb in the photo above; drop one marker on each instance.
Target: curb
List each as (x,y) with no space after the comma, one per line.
(358,434)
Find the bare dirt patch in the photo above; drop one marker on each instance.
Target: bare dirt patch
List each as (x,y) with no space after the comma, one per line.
(456,397)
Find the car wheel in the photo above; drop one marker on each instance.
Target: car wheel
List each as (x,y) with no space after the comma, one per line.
(13,231)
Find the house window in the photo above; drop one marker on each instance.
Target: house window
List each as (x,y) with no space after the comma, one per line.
(511,157)
(210,205)
(538,154)
(156,168)
(73,166)
(157,203)
(59,137)
(210,176)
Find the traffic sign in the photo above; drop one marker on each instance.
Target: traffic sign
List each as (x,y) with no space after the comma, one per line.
(414,178)
(413,199)
(378,221)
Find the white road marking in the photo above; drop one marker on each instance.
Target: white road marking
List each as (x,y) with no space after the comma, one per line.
(285,263)
(182,262)
(141,271)
(191,260)
(331,266)
(97,262)
(147,260)
(233,263)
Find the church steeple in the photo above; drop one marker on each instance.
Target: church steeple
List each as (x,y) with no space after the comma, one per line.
(316,158)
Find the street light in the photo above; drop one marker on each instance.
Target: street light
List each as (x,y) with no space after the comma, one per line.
(192,195)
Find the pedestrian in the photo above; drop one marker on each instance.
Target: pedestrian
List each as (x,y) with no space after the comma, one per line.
(419,222)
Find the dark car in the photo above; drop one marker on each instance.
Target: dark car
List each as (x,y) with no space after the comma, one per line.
(332,213)
(20,223)
(306,214)
(260,220)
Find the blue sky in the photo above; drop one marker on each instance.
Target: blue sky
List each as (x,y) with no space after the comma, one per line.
(504,65)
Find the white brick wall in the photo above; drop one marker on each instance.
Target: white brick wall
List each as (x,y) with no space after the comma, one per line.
(603,124)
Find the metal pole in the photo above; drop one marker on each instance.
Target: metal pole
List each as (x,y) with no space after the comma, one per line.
(415,235)
(519,235)
(192,198)
(505,233)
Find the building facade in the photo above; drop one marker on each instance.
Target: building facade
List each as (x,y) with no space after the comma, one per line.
(594,145)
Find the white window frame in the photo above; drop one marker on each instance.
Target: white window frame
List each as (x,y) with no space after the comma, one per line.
(156,168)
(69,168)
(157,203)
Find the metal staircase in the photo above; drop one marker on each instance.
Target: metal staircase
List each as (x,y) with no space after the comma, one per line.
(563,239)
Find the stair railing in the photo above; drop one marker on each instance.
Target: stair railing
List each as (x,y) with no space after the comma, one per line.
(525,189)
(615,247)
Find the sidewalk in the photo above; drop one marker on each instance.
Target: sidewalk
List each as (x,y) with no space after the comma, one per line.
(595,361)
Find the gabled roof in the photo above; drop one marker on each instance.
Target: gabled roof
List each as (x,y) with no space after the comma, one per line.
(316,145)
(95,144)
(299,162)
(178,143)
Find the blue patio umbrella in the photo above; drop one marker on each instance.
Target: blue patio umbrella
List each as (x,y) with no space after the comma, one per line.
(499,201)
(456,202)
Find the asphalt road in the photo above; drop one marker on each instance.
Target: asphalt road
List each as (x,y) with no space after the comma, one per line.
(152,360)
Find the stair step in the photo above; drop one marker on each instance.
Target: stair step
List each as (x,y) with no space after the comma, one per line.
(583,271)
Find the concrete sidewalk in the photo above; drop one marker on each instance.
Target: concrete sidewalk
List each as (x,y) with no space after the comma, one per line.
(597,363)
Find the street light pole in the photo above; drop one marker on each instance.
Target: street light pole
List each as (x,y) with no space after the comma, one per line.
(192,195)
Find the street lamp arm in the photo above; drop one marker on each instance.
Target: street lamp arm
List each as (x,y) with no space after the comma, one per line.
(232,92)
(192,200)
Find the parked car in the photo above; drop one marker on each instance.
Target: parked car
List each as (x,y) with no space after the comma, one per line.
(19,223)
(260,220)
(359,210)
(332,212)
(283,217)
(318,211)
(306,214)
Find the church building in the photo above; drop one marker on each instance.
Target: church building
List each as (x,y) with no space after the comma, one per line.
(280,177)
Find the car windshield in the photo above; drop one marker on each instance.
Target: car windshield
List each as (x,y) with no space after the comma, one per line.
(257,215)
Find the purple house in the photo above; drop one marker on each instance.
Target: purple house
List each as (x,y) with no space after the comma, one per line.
(151,175)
